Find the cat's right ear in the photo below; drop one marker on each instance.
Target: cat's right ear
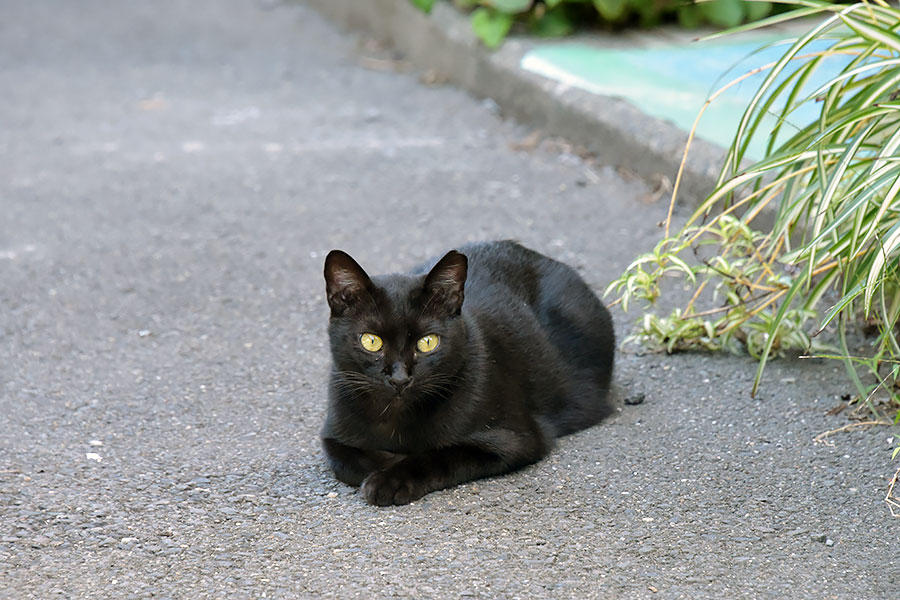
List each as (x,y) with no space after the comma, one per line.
(345,281)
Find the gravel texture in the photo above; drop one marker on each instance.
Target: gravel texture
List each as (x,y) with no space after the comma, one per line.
(171,175)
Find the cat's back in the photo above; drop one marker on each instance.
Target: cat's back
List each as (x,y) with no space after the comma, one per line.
(543,313)
(506,279)
(512,271)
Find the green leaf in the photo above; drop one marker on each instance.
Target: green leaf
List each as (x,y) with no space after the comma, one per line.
(757,10)
(824,202)
(843,303)
(554,23)
(682,266)
(611,10)
(877,34)
(771,334)
(423,5)
(772,20)
(647,9)
(510,7)
(689,16)
(883,252)
(491,26)
(725,13)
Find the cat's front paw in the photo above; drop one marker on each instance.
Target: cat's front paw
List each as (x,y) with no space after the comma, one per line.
(384,488)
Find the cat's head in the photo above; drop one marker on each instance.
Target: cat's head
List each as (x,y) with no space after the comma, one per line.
(396,336)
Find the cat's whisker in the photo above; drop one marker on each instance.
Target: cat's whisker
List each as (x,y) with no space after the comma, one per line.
(351,382)
(442,386)
(439,390)
(353,377)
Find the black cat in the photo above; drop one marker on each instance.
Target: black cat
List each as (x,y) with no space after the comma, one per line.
(467,369)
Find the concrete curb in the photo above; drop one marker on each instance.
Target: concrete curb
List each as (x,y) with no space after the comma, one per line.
(617,132)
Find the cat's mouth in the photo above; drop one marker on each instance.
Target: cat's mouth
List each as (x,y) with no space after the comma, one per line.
(393,400)
(399,390)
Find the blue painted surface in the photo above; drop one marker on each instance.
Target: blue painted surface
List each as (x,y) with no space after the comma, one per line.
(673,82)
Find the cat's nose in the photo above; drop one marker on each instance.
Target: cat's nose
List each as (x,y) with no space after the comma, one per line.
(399,376)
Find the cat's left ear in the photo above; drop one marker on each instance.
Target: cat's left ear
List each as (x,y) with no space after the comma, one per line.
(446,281)
(345,281)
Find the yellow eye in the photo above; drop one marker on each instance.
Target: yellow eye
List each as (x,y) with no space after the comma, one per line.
(371,342)
(428,343)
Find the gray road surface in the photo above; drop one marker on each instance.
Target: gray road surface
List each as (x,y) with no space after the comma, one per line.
(171,175)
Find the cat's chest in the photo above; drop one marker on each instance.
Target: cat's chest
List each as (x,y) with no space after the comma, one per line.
(393,427)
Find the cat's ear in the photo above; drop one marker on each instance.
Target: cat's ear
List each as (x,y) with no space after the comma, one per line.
(345,281)
(445,282)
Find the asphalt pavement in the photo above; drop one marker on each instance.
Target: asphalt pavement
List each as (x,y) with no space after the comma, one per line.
(171,177)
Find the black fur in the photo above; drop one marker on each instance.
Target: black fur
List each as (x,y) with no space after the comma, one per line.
(525,356)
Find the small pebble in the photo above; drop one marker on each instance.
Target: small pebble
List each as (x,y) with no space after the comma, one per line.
(635,399)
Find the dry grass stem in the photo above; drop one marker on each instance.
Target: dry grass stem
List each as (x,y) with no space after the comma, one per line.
(893,501)
(822,438)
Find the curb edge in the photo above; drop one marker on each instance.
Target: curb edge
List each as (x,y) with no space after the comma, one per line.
(614,130)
